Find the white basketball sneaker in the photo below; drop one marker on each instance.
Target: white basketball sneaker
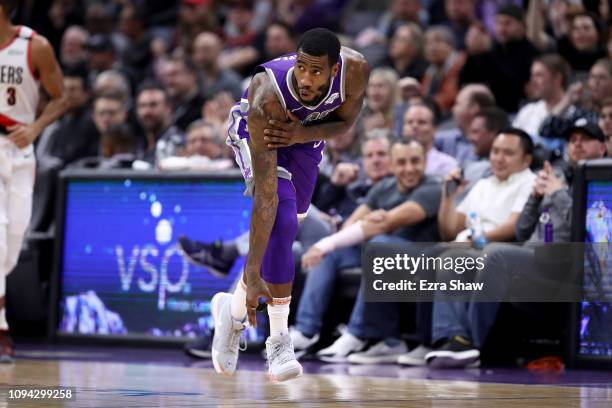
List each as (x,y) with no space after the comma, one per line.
(226,340)
(282,365)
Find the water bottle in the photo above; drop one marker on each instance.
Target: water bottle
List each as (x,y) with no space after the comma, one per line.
(546,226)
(478,237)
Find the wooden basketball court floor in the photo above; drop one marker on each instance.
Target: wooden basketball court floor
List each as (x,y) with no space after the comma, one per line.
(125,384)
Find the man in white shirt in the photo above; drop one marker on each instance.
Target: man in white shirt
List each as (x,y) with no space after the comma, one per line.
(549,76)
(498,199)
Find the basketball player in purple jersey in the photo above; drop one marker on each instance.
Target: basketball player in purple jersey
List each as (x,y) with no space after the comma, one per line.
(277,132)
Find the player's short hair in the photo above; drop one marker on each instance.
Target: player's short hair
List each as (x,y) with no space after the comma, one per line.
(525,140)
(319,42)
(9,6)
(495,119)
(556,65)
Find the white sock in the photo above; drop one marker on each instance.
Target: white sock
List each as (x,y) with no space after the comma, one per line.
(278,314)
(239,310)
(3,322)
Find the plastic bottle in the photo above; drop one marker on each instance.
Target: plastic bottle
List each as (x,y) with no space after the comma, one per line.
(546,226)
(475,224)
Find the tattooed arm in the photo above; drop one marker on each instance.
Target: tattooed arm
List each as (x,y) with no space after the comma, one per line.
(264,105)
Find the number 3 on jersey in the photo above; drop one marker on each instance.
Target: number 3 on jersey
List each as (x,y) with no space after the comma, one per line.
(11,96)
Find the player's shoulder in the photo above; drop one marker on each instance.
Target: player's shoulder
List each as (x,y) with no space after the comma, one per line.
(357,70)
(40,43)
(263,97)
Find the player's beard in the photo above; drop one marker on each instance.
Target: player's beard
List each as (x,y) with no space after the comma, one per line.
(321,91)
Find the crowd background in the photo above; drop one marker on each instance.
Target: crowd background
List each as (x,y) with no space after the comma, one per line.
(150,85)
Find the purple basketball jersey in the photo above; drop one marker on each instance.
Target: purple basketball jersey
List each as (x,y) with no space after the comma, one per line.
(300,160)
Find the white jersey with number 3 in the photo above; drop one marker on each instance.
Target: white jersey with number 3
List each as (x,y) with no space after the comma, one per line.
(19,84)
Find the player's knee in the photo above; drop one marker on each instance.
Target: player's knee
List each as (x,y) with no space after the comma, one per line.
(286,224)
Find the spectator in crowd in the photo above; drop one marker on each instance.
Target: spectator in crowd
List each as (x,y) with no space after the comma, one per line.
(485,126)
(137,55)
(72,50)
(462,327)
(118,148)
(239,37)
(549,78)
(103,57)
(471,99)
(460,15)
(419,122)
(181,83)
(207,48)
(584,43)
(498,199)
(195,16)
(382,97)
(344,148)
(441,79)
(108,109)
(405,52)
(279,40)
(72,136)
(306,14)
(155,116)
(203,150)
(576,105)
(112,81)
(403,207)
(502,64)
(605,123)
(348,185)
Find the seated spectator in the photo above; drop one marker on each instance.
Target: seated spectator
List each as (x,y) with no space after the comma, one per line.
(118,150)
(461,328)
(405,52)
(74,135)
(181,83)
(203,151)
(605,123)
(460,15)
(382,98)
(207,48)
(72,48)
(575,105)
(344,148)
(403,207)
(585,43)
(485,126)
(502,64)
(103,57)
(549,78)
(137,55)
(195,17)
(347,187)
(419,122)
(471,100)
(441,79)
(108,109)
(113,82)
(155,117)
(497,199)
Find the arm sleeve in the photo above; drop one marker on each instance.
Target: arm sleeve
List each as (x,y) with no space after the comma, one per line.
(528,219)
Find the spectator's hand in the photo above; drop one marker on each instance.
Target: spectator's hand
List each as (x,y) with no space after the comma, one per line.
(575,92)
(22,135)
(409,88)
(256,288)
(345,173)
(312,257)
(547,182)
(477,40)
(454,176)
(283,134)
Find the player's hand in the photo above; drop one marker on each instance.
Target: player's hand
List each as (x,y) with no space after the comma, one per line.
(312,258)
(22,135)
(256,288)
(282,134)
